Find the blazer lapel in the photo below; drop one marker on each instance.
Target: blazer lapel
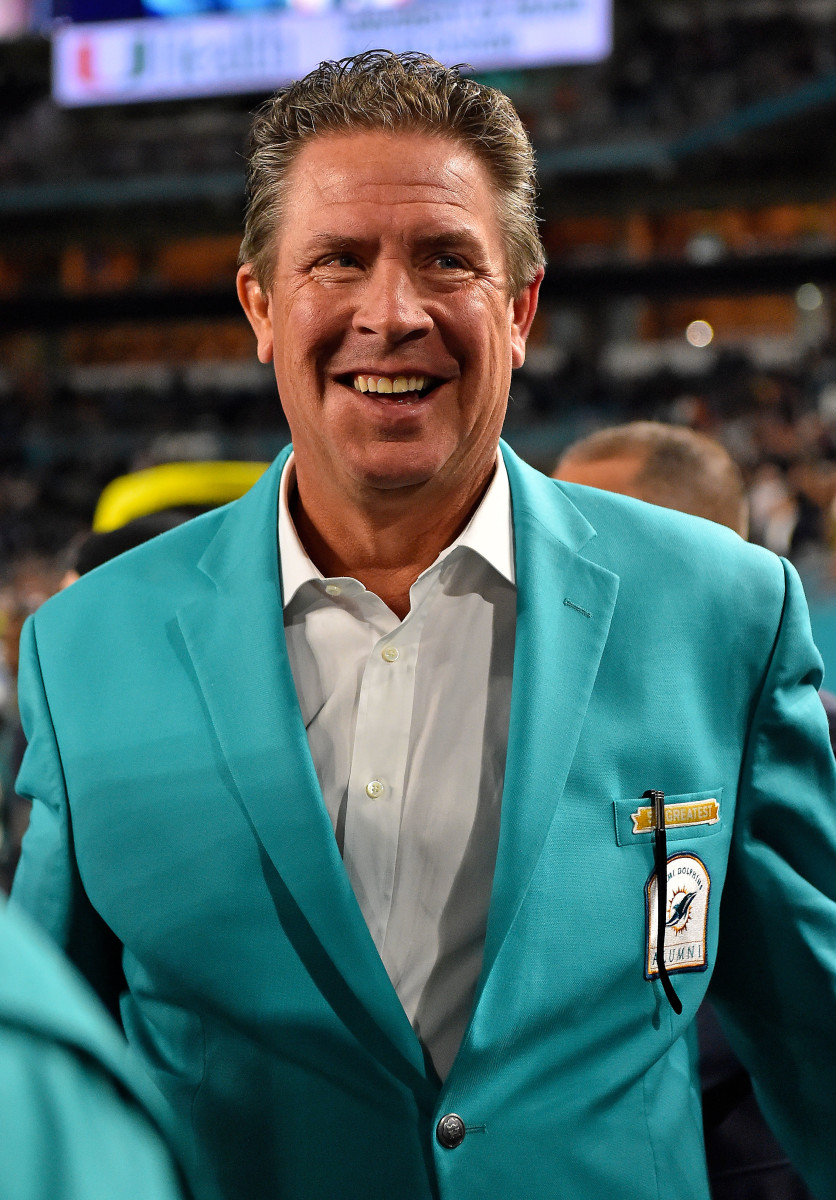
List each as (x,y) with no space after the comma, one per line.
(564,609)
(235,639)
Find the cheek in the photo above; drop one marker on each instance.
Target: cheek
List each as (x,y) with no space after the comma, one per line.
(485,323)
(313,332)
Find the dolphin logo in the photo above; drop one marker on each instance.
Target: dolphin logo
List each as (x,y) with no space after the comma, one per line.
(679,916)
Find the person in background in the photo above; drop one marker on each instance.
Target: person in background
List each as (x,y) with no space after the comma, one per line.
(78,1119)
(678,468)
(667,465)
(392,803)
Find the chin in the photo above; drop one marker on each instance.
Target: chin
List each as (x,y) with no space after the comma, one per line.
(390,468)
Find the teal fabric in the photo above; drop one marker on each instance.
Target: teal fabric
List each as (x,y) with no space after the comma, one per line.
(816,572)
(75,1114)
(178,815)
(823,623)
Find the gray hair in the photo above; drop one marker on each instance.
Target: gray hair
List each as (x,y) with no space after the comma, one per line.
(380,90)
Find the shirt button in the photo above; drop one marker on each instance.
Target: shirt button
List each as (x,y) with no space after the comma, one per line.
(450,1131)
(390,654)
(333,589)
(374,789)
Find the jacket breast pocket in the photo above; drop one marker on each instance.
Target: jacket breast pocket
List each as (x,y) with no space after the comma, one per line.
(688,815)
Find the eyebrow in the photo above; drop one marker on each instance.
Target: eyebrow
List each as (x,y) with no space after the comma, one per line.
(450,239)
(333,241)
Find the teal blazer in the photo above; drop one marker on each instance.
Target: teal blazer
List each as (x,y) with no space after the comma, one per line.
(181,852)
(75,1112)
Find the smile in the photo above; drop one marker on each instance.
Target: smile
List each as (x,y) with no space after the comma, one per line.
(407,388)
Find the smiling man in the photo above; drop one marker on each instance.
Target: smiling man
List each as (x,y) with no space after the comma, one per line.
(386,309)
(355,794)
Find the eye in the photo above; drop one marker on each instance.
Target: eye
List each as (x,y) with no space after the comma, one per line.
(344,260)
(449,262)
(340,261)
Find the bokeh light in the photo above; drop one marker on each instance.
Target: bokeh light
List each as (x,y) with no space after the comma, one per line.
(809,297)
(699,334)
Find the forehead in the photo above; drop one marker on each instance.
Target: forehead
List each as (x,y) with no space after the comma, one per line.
(353,180)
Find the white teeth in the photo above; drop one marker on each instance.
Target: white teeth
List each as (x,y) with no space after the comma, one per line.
(386,385)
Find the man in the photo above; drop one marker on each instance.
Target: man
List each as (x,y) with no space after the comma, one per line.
(679,468)
(75,1113)
(365,855)
(662,464)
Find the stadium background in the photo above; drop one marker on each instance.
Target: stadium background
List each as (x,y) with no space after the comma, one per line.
(689,206)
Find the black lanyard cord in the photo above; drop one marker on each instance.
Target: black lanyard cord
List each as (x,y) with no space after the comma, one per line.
(660,862)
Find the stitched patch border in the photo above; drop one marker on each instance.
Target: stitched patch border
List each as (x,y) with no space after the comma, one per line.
(686,928)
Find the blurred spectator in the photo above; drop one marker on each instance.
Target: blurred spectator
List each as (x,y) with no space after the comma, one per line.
(664,464)
(773,507)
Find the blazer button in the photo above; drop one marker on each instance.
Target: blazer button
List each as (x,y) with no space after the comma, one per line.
(450,1131)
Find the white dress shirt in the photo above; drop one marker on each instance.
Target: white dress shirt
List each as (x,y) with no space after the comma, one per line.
(407,724)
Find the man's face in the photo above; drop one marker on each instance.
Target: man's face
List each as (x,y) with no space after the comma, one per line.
(390,273)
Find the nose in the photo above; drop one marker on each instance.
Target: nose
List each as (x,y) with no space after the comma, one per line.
(391,305)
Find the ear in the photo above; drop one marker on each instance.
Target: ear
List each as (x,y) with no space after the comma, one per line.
(523,308)
(257,306)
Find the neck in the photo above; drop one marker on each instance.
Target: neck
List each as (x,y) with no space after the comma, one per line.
(387,539)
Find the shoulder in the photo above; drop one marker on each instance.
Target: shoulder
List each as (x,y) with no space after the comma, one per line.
(622,522)
(675,571)
(156,564)
(140,588)
(629,535)
(690,564)
(160,575)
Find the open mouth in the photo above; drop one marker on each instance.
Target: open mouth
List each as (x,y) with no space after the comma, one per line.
(404,389)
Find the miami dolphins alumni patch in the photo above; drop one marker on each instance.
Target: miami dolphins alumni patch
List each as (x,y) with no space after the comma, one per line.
(686,927)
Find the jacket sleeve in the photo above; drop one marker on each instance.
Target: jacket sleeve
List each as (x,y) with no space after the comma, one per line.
(47,883)
(775,979)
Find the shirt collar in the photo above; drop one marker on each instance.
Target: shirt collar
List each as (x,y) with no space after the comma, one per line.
(488,533)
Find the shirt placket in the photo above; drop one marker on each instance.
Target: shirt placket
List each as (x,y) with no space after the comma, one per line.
(379,761)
